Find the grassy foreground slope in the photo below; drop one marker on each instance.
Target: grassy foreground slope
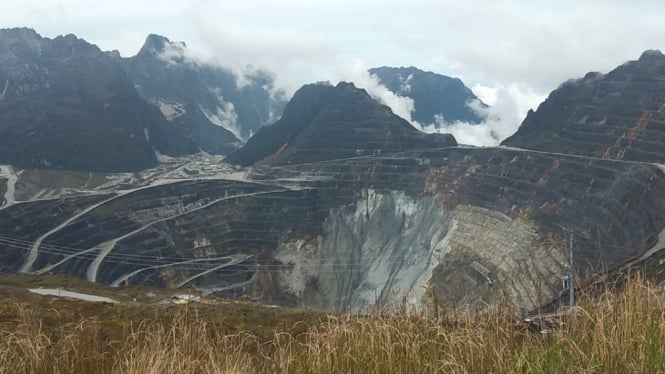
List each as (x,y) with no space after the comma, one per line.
(613,332)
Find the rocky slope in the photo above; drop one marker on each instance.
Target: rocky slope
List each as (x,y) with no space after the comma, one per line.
(213,106)
(65,104)
(323,122)
(437,98)
(619,115)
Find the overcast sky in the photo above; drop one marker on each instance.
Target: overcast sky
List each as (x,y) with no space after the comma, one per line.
(511,53)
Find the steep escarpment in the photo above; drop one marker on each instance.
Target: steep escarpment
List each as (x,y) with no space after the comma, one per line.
(613,208)
(619,116)
(323,122)
(65,104)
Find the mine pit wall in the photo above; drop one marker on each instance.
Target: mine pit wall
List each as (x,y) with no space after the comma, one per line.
(456,225)
(615,210)
(388,249)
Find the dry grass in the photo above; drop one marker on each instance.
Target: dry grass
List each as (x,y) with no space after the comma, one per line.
(612,332)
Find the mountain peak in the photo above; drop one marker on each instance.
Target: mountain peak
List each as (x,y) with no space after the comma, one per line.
(434,95)
(156,44)
(346,85)
(651,54)
(75,108)
(322,122)
(26,39)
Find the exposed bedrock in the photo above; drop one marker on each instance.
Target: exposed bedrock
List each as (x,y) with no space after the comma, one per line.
(389,248)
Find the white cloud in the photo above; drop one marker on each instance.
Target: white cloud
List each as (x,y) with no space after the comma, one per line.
(509,106)
(290,52)
(485,93)
(545,44)
(224,116)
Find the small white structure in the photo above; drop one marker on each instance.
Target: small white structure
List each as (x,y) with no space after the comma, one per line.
(185,299)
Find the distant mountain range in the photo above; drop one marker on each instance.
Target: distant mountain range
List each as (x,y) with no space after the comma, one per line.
(66,104)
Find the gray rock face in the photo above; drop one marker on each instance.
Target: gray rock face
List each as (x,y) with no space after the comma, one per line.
(390,248)
(387,246)
(65,104)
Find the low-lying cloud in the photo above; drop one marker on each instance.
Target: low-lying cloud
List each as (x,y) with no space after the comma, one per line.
(356,71)
(508,107)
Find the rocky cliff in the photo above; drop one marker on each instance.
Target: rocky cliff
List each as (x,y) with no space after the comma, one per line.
(65,104)
(213,106)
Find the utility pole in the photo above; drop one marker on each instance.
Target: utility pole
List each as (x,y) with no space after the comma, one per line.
(571,269)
